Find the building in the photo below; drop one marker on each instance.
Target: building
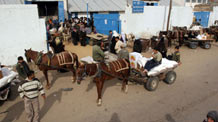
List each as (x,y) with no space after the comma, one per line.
(193,3)
(105,13)
(55,9)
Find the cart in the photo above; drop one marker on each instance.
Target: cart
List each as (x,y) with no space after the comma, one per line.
(8,78)
(151,82)
(163,72)
(194,42)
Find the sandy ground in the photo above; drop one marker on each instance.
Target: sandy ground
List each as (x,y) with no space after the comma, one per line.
(194,93)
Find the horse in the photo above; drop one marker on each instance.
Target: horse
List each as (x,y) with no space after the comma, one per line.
(64,60)
(105,71)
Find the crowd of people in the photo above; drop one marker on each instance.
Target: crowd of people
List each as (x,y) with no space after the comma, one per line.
(74,30)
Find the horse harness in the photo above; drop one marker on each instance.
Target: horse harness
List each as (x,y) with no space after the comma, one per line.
(39,58)
(114,64)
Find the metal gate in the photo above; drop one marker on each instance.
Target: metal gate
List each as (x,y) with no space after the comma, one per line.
(202,17)
(61,11)
(106,22)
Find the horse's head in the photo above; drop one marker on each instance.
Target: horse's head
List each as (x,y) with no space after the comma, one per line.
(81,73)
(28,54)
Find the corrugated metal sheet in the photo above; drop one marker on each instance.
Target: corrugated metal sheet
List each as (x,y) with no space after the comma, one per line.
(11,1)
(97,5)
(167,3)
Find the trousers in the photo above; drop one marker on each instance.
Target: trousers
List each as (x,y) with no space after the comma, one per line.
(151,64)
(32,109)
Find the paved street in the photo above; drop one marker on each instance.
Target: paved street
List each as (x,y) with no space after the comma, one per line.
(194,93)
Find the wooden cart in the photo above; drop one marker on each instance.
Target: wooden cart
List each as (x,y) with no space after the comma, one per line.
(194,42)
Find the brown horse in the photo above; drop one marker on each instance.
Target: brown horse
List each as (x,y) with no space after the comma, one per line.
(102,71)
(64,60)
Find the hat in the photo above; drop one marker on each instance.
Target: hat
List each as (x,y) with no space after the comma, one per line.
(115,34)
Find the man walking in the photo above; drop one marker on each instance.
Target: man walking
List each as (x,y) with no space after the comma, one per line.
(29,91)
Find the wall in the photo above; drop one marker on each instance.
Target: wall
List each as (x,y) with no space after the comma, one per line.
(154,19)
(20,29)
(213,16)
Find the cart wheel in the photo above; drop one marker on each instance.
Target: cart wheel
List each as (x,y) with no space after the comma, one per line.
(207,45)
(193,45)
(152,83)
(170,77)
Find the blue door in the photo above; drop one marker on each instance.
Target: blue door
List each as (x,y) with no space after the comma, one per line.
(202,17)
(61,11)
(106,22)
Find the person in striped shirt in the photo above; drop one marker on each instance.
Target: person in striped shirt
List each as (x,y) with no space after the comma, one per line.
(29,90)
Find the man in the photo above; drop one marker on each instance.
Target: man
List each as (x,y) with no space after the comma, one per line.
(97,53)
(175,56)
(75,36)
(162,46)
(83,37)
(110,36)
(22,68)
(29,90)
(137,47)
(124,53)
(157,58)
(118,45)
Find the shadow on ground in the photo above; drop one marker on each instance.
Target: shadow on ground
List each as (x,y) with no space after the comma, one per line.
(14,112)
(115,118)
(49,102)
(169,118)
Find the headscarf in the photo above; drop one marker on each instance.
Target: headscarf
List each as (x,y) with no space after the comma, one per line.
(123,36)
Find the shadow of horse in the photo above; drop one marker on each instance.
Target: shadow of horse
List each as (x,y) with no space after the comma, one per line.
(14,112)
(115,118)
(49,102)
(55,75)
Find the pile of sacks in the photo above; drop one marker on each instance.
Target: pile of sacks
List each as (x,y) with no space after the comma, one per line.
(108,58)
(8,76)
(137,59)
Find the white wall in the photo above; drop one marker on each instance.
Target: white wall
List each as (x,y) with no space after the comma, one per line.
(20,29)
(154,19)
(213,16)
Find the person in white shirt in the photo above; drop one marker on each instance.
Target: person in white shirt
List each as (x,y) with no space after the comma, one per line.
(118,45)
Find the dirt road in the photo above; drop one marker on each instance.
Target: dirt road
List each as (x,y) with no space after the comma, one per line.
(194,93)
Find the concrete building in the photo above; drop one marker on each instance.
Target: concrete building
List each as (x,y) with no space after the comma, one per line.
(192,3)
(51,8)
(21,28)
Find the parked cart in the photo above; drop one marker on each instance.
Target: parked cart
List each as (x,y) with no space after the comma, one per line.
(193,43)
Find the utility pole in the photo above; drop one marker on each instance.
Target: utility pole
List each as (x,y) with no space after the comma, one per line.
(168,20)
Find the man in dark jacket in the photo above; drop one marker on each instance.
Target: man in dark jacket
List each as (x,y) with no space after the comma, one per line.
(75,36)
(137,46)
(22,68)
(83,37)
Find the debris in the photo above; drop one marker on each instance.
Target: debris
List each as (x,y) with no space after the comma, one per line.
(67,89)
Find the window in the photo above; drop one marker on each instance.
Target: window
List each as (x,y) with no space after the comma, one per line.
(188,1)
(204,1)
(199,1)
(193,1)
